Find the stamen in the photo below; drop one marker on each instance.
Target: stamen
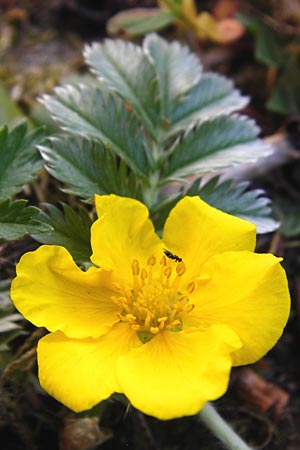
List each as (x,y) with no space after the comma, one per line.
(154,330)
(131,318)
(151,260)
(191,287)
(180,268)
(153,302)
(135,267)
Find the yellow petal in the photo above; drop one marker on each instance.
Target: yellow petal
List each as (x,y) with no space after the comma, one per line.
(122,233)
(174,374)
(81,373)
(51,291)
(196,231)
(249,293)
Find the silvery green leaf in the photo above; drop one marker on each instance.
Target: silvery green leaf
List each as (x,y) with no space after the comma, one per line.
(87,168)
(126,70)
(214,145)
(213,95)
(235,199)
(177,69)
(91,112)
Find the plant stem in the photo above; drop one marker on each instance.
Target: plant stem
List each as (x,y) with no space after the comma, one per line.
(221,429)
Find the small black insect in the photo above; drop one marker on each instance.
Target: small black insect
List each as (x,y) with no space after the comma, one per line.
(172,256)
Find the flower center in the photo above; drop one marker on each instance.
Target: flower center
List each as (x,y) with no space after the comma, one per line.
(155,303)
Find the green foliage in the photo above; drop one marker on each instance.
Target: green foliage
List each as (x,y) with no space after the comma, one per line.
(289,214)
(88,168)
(235,199)
(212,96)
(9,111)
(17,219)
(139,21)
(9,319)
(177,70)
(152,117)
(19,159)
(68,228)
(92,112)
(213,145)
(267,41)
(125,68)
(238,200)
(281,52)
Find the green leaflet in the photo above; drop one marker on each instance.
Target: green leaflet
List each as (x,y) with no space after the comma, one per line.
(215,144)
(126,69)
(17,220)
(19,159)
(87,168)
(91,112)
(235,199)
(68,228)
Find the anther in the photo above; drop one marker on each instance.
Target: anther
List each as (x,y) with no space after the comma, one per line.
(162,319)
(189,308)
(154,330)
(144,274)
(151,260)
(135,267)
(191,287)
(163,261)
(180,268)
(131,318)
(167,272)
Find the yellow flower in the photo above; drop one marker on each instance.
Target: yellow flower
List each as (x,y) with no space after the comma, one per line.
(162,320)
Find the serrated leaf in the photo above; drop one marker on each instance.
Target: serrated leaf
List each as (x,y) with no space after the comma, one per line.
(8,323)
(19,159)
(289,214)
(216,144)
(87,168)
(68,228)
(17,220)
(93,113)
(214,95)
(236,199)
(178,70)
(139,21)
(126,70)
